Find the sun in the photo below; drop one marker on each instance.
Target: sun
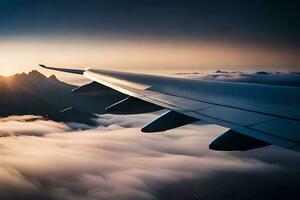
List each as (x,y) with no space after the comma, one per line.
(6,72)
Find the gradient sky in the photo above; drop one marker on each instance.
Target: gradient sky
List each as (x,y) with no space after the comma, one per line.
(141,35)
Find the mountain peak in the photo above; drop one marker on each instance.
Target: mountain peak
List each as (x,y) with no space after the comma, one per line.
(53,78)
(36,75)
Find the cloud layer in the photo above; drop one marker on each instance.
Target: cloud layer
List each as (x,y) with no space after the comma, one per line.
(108,162)
(262,77)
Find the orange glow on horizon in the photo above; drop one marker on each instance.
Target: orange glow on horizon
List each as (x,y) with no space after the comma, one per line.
(23,54)
(7,72)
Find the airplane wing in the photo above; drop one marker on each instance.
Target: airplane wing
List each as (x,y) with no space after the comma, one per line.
(256,115)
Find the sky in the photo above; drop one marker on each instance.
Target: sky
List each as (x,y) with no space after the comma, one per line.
(149,35)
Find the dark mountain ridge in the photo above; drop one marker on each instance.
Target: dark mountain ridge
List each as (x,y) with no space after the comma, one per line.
(35,94)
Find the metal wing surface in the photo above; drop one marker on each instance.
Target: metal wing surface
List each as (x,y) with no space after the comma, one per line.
(256,114)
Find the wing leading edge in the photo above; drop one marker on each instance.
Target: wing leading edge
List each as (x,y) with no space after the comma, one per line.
(257,115)
(73,71)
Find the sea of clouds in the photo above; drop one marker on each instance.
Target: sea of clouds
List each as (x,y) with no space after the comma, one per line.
(50,160)
(261,77)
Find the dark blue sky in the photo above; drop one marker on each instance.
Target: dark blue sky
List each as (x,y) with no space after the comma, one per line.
(271,23)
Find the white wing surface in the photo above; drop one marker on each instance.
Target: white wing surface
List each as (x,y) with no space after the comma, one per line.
(256,114)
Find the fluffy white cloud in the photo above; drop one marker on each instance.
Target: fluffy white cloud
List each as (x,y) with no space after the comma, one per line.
(108,162)
(29,125)
(272,78)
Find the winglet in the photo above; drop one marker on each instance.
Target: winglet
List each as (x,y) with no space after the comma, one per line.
(43,66)
(73,71)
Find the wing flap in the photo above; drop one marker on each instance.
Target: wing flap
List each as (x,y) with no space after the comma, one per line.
(286,128)
(272,139)
(236,116)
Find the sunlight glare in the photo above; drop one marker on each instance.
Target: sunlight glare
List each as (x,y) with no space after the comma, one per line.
(6,72)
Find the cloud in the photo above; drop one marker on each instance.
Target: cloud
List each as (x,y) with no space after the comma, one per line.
(110,162)
(29,125)
(263,77)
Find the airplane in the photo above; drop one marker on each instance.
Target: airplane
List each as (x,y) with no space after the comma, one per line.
(257,115)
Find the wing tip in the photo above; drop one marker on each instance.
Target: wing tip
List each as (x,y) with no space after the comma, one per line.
(42,65)
(73,71)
